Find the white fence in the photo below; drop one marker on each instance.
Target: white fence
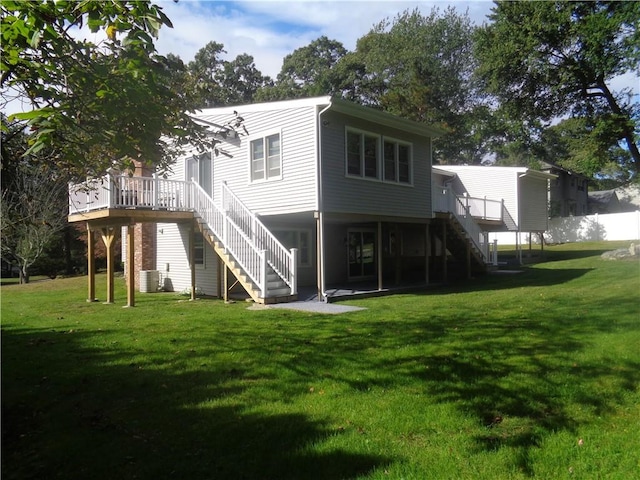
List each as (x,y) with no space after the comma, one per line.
(611,226)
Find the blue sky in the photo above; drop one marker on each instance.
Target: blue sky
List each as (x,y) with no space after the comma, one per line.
(270,30)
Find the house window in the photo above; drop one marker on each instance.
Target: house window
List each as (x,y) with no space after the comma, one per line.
(299,239)
(397,161)
(362,154)
(266,160)
(198,249)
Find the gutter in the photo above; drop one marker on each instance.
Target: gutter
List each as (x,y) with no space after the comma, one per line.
(321,253)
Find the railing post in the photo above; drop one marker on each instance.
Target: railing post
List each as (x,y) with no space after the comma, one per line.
(294,271)
(485,207)
(495,251)
(263,273)
(110,191)
(155,191)
(502,210)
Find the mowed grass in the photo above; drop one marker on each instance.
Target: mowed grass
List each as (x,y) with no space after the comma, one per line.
(508,376)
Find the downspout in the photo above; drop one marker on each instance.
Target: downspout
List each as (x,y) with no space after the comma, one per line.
(321,253)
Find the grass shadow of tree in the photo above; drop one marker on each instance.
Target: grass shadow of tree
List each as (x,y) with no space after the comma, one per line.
(73,412)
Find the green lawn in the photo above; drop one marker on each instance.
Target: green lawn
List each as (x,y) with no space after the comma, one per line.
(508,376)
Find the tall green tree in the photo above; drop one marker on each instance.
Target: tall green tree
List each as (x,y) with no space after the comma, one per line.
(97,105)
(548,60)
(309,71)
(421,67)
(219,82)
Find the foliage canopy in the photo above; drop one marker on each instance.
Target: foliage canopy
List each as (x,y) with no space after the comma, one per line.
(96,105)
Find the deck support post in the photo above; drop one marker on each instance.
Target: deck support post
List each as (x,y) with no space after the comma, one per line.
(225,276)
(427,252)
(108,237)
(379,254)
(468,259)
(131,270)
(192,259)
(397,260)
(444,252)
(91,264)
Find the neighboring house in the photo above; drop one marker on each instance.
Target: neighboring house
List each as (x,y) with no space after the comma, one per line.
(318,194)
(567,193)
(604,201)
(629,197)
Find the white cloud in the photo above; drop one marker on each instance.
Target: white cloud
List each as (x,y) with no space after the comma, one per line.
(270,30)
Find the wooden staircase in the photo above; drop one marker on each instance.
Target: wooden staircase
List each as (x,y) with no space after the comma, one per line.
(458,243)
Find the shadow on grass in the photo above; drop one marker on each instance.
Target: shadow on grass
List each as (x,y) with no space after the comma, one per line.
(72,412)
(520,378)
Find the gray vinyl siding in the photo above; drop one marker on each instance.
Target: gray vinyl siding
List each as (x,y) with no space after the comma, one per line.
(343,194)
(296,190)
(534,212)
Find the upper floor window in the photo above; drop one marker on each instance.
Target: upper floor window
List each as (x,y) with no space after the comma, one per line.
(365,158)
(362,154)
(266,159)
(397,161)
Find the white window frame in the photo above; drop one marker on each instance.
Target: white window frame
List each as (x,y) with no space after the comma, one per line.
(362,160)
(199,245)
(265,158)
(201,168)
(396,160)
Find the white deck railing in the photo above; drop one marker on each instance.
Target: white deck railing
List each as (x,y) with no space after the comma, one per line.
(241,233)
(123,191)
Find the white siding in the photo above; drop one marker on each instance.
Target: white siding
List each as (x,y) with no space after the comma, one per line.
(342,194)
(296,190)
(172,251)
(533,206)
(496,183)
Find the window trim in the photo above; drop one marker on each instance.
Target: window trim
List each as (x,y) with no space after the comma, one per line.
(380,160)
(363,134)
(397,143)
(265,161)
(199,244)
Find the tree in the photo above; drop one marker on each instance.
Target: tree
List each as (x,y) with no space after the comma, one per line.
(96,105)
(33,203)
(549,60)
(309,71)
(220,82)
(421,68)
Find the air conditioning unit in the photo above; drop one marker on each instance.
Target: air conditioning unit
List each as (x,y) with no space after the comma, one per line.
(149,281)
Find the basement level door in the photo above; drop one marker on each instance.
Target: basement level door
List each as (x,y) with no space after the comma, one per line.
(362,254)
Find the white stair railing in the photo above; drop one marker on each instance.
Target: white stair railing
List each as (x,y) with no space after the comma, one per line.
(249,257)
(281,260)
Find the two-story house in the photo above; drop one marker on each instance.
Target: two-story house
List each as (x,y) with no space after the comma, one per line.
(313,193)
(568,192)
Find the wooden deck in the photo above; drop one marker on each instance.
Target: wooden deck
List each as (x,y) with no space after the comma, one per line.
(125,216)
